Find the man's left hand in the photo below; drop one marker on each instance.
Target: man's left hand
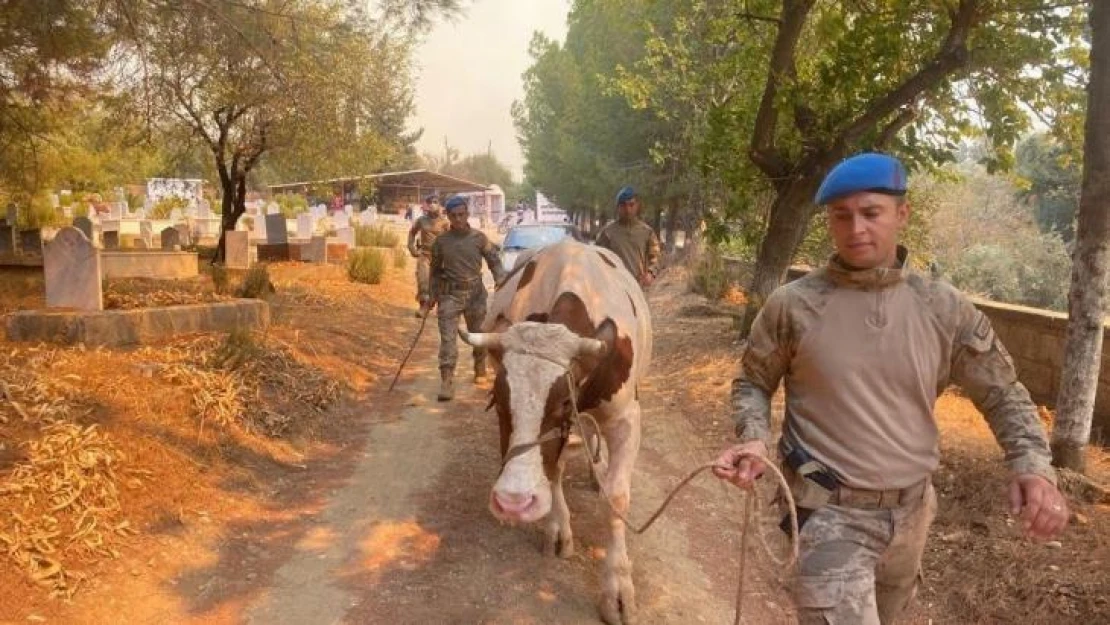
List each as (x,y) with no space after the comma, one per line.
(1043,511)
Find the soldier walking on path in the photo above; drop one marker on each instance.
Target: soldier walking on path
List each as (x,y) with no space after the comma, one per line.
(630,238)
(456,286)
(422,235)
(865,345)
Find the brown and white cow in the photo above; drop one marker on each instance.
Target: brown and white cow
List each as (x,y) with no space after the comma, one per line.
(568,306)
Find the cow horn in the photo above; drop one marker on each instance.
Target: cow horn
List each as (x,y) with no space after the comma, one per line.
(481,339)
(591,347)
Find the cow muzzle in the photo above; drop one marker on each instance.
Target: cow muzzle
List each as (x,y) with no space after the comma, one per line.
(523,506)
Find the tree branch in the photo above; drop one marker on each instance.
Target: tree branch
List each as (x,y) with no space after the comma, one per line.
(763,152)
(952,55)
(888,132)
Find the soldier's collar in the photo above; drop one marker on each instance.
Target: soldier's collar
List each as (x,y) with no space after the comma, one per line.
(876,277)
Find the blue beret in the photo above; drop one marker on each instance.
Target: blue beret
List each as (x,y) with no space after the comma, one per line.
(864,172)
(626,193)
(454,201)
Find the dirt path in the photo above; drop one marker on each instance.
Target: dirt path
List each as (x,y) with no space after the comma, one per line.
(407,538)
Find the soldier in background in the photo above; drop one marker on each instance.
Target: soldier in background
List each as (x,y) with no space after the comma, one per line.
(456,286)
(865,345)
(630,238)
(423,233)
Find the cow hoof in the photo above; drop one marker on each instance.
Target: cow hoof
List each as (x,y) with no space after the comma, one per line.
(556,544)
(615,611)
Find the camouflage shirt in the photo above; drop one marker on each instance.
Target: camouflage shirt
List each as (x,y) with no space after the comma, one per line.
(864,356)
(424,232)
(635,243)
(457,260)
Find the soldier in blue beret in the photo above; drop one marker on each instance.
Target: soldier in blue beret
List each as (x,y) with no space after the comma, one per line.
(865,345)
(631,239)
(457,289)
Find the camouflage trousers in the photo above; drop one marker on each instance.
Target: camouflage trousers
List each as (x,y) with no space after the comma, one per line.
(423,278)
(860,565)
(470,304)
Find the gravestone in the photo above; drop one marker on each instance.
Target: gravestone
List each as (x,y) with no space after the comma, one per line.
(204,209)
(258,227)
(71,266)
(12,215)
(184,237)
(30,241)
(315,250)
(7,240)
(304,226)
(341,220)
(346,236)
(236,250)
(146,233)
(275,229)
(84,224)
(171,240)
(110,239)
(272,252)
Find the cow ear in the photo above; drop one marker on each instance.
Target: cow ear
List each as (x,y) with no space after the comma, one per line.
(607,333)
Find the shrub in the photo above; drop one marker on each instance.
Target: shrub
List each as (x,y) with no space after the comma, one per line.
(291,204)
(366,265)
(164,207)
(376,236)
(709,276)
(219,278)
(400,257)
(256,284)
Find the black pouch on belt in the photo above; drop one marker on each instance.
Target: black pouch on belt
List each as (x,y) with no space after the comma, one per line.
(811,483)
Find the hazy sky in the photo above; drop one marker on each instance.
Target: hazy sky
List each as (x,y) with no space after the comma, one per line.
(469,73)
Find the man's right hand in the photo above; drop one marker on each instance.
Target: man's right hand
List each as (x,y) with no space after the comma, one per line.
(428,306)
(741,464)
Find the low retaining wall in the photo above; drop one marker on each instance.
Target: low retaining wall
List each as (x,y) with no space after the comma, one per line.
(147,264)
(1035,338)
(142,325)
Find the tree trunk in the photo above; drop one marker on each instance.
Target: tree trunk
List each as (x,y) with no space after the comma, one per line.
(233,204)
(790,215)
(673,210)
(1086,298)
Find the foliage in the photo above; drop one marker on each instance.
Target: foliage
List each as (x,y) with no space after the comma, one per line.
(366,265)
(708,275)
(1050,177)
(400,258)
(291,204)
(164,207)
(220,281)
(38,213)
(376,236)
(256,283)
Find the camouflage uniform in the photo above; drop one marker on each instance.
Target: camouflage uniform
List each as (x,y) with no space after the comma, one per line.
(456,282)
(635,243)
(423,234)
(864,355)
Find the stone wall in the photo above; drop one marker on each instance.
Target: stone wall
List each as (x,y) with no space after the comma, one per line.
(1035,339)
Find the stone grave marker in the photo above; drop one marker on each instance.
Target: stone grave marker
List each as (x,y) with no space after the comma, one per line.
(276,229)
(110,239)
(315,250)
(184,237)
(346,236)
(12,215)
(304,226)
(146,234)
(7,240)
(341,220)
(171,239)
(236,250)
(71,266)
(84,224)
(30,241)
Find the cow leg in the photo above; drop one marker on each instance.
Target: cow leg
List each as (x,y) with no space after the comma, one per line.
(618,598)
(559,539)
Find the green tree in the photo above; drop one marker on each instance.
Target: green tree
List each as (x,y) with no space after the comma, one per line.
(1050,175)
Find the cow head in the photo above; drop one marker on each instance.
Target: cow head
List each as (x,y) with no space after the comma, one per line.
(531,387)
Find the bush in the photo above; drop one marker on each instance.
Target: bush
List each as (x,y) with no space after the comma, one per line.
(366,265)
(376,236)
(219,278)
(708,276)
(256,284)
(164,207)
(291,205)
(400,257)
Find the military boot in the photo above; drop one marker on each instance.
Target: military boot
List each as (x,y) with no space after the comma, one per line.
(446,385)
(480,369)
